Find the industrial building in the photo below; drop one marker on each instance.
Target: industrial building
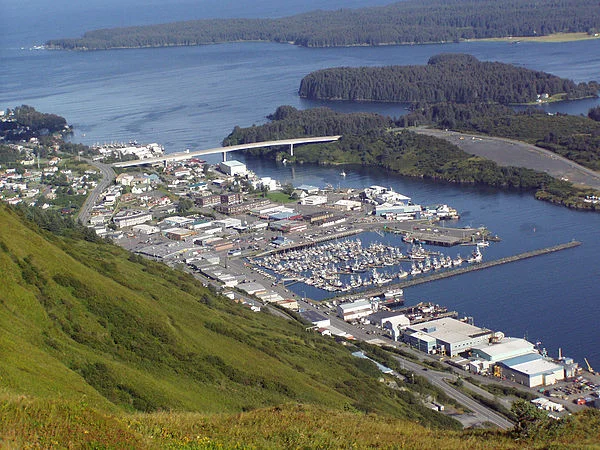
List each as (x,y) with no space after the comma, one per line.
(531,370)
(130,218)
(392,321)
(233,168)
(354,310)
(451,336)
(505,349)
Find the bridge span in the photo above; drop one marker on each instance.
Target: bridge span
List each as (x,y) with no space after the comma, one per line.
(180,156)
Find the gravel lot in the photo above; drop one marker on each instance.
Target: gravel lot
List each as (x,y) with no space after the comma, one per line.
(507,152)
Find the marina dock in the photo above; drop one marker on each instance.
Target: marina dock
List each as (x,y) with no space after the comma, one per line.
(435,234)
(471,268)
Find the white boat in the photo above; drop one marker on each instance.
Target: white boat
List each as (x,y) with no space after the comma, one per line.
(483,244)
(342,174)
(476,257)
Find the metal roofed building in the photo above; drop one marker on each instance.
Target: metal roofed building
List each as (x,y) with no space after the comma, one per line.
(233,168)
(317,319)
(452,336)
(505,349)
(532,370)
(354,310)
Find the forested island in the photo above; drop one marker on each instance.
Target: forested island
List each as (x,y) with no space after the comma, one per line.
(373,140)
(457,78)
(408,22)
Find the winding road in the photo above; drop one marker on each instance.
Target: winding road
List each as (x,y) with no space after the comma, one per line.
(108,175)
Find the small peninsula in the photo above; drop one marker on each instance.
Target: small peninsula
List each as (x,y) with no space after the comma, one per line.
(408,22)
(455,78)
(376,141)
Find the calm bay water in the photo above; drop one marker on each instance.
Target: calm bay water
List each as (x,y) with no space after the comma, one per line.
(193,97)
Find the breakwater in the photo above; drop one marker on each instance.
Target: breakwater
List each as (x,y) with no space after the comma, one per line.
(471,268)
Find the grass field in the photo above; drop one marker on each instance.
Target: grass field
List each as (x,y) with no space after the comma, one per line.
(557,37)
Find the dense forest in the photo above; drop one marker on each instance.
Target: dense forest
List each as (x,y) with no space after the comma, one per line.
(446,78)
(24,122)
(402,151)
(410,21)
(574,137)
(288,122)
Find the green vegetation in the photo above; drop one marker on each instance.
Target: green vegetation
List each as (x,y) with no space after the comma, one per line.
(574,137)
(104,349)
(279,197)
(401,151)
(24,122)
(455,78)
(404,22)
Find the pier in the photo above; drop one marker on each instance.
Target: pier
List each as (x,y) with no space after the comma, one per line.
(434,234)
(471,268)
(310,243)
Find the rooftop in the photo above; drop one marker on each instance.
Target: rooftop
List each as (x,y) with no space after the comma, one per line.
(450,330)
(531,364)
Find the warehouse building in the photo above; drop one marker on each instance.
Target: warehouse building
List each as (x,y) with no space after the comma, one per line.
(354,310)
(531,370)
(505,349)
(233,168)
(451,336)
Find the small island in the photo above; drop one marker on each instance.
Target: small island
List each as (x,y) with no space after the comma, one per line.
(455,78)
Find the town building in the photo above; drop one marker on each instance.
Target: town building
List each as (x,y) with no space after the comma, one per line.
(204,201)
(232,198)
(233,168)
(129,218)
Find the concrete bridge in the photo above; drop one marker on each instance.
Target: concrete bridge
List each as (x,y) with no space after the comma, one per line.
(224,150)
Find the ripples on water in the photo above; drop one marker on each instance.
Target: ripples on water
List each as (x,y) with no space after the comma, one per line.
(193,97)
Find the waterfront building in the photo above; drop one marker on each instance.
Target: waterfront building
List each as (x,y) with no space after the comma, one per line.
(354,310)
(451,336)
(233,168)
(505,349)
(531,370)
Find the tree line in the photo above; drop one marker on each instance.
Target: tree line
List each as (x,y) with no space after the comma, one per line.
(456,78)
(410,21)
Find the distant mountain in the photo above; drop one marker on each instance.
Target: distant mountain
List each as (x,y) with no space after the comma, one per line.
(408,22)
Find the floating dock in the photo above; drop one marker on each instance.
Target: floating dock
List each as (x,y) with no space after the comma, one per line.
(471,268)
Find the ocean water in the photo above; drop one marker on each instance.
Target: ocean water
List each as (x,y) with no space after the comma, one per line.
(192,97)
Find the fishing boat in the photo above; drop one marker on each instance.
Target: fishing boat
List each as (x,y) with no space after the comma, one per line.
(476,257)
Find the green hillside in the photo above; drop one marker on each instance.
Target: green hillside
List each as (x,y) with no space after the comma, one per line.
(102,349)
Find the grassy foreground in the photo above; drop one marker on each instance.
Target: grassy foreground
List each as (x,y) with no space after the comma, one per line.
(102,349)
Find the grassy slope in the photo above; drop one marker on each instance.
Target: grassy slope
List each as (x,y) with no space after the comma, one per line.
(90,334)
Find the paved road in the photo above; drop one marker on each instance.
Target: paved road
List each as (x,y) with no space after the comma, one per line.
(437,379)
(108,175)
(481,413)
(507,152)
